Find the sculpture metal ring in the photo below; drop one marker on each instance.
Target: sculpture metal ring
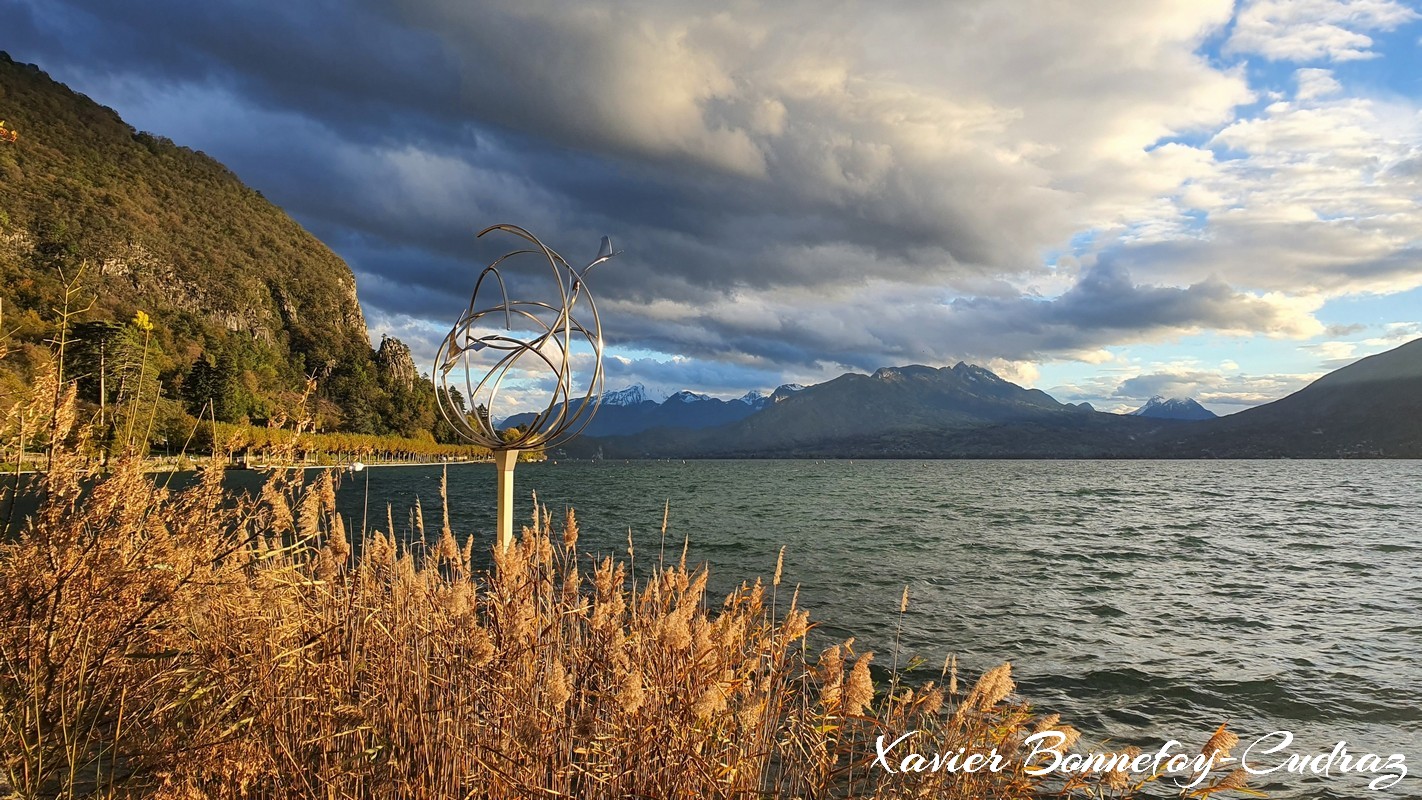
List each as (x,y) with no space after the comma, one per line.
(476,344)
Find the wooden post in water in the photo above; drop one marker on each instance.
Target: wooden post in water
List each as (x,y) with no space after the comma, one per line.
(505,460)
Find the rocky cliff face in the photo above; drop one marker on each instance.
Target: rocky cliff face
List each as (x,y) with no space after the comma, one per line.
(396,364)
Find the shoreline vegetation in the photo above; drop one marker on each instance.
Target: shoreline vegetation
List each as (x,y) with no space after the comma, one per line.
(163,464)
(252,446)
(193,644)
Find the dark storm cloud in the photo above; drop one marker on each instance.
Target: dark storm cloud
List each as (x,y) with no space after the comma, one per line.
(1107,298)
(895,326)
(367,80)
(793,189)
(328,59)
(525,83)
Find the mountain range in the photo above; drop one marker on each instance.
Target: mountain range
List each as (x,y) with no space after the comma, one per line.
(1372,408)
(632,410)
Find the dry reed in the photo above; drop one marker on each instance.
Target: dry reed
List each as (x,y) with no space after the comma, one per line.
(195,645)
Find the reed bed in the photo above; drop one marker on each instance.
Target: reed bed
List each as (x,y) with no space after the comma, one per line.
(198,645)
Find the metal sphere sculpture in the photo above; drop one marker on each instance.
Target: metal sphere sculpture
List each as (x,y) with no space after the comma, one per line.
(483,349)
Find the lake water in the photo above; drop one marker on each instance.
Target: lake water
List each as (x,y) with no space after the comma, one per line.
(1144,601)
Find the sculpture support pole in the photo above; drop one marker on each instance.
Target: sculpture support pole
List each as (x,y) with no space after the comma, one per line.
(505,460)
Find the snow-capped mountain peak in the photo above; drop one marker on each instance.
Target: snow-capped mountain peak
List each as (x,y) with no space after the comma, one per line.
(1173,408)
(757,399)
(753,398)
(633,395)
(687,396)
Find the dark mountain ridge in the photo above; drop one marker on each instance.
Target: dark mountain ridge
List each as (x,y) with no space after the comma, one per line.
(1370,408)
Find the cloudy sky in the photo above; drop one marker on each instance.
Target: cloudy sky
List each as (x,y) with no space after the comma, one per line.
(1107,200)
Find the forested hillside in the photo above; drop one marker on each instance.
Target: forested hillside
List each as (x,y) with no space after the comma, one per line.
(243,305)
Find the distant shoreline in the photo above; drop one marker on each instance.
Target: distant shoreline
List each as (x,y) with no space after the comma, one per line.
(155,469)
(365,466)
(196,462)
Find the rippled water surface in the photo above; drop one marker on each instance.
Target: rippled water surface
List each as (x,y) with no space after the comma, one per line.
(1143,600)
